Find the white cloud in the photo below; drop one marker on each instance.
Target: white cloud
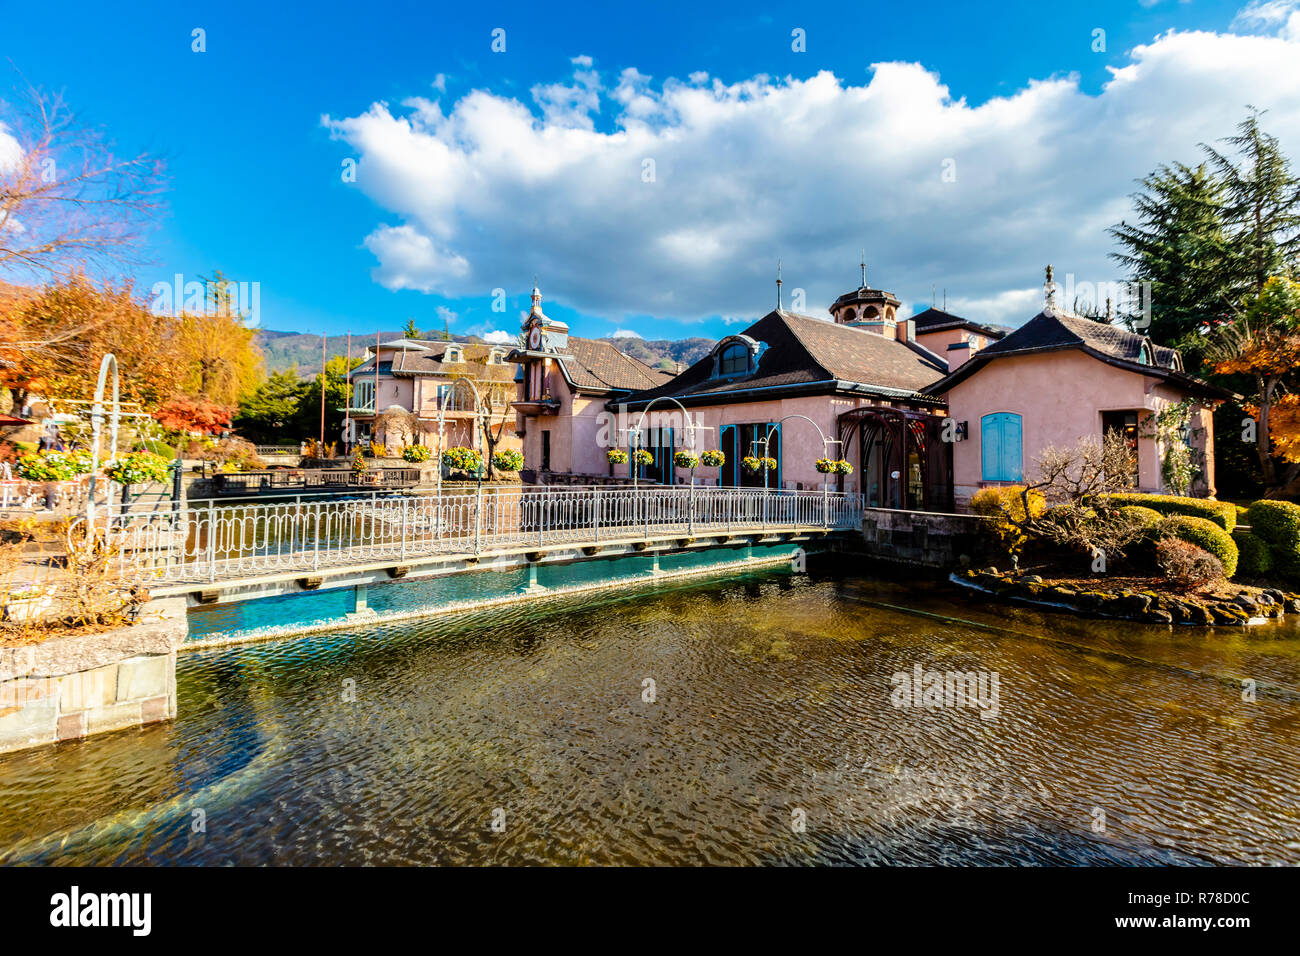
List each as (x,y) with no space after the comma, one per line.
(1270,16)
(11,150)
(499,337)
(806,170)
(624,334)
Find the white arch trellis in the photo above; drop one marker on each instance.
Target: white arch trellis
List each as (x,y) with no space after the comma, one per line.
(96,424)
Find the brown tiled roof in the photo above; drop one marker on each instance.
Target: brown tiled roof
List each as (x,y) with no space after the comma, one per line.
(1053,330)
(806,353)
(598,366)
(935,320)
(428,361)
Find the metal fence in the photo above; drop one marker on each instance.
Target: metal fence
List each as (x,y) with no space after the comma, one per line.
(217,540)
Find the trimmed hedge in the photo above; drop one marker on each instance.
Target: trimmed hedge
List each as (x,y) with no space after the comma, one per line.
(1207,536)
(1148,518)
(1256,557)
(1278,524)
(1222,513)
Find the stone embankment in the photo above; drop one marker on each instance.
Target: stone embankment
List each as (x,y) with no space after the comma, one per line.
(1248,606)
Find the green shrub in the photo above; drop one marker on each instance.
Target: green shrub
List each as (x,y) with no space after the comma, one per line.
(159,448)
(1278,524)
(416,453)
(1148,518)
(1255,556)
(1222,513)
(1207,536)
(1005,505)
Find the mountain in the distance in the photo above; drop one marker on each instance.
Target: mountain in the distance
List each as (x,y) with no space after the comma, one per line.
(283,350)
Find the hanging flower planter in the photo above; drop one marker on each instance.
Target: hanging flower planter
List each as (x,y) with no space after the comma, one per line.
(616,456)
(753,465)
(54,465)
(643,457)
(508,459)
(416,453)
(138,468)
(464,459)
(686,459)
(834,466)
(712,459)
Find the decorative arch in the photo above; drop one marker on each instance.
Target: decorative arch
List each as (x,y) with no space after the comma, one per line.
(882,440)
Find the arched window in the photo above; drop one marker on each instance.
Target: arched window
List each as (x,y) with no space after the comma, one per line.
(452,354)
(1000,445)
(848,314)
(870,312)
(734,360)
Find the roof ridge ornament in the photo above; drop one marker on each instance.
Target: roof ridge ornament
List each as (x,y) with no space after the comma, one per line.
(1049,289)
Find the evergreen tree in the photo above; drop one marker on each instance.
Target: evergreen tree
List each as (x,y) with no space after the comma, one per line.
(1262,205)
(409,330)
(1179,244)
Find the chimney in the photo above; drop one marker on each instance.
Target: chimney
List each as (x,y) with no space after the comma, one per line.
(959,353)
(905,331)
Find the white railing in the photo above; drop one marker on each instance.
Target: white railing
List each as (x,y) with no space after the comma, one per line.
(214,540)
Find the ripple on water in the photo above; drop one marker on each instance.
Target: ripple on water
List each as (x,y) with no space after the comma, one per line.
(772,701)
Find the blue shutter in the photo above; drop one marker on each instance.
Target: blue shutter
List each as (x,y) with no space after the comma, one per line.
(1011,448)
(1000,447)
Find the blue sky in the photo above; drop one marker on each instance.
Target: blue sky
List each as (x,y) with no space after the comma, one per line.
(478,169)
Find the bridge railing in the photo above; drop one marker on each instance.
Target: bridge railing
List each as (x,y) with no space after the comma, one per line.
(218,540)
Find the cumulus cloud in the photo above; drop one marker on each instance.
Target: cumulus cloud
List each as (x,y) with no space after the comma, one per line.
(11,150)
(499,337)
(1271,16)
(675,198)
(624,334)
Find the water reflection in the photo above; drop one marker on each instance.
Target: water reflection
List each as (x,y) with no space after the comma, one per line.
(772,696)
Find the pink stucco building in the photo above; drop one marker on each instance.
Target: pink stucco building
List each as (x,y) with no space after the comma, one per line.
(927,410)
(1059,378)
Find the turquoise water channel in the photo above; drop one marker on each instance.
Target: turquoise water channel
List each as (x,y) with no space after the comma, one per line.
(751,719)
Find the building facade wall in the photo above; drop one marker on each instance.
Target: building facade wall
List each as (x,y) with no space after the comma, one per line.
(1060,397)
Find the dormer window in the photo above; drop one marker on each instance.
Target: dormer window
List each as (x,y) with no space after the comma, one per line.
(734,360)
(452,354)
(496,356)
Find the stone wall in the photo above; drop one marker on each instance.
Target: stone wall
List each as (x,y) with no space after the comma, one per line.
(922,538)
(69,687)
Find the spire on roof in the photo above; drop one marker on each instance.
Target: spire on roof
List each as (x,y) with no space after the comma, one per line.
(1049,289)
(864,268)
(778,285)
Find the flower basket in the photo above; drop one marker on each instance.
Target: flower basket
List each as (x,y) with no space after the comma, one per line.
(686,459)
(465,459)
(616,456)
(643,457)
(137,468)
(54,465)
(416,453)
(508,459)
(753,465)
(834,466)
(712,459)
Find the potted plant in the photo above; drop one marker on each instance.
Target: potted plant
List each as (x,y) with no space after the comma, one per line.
(508,459)
(712,459)
(137,468)
(358,463)
(416,454)
(755,465)
(686,459)
(616,456)
(463,459)
(834,466)
(644,457)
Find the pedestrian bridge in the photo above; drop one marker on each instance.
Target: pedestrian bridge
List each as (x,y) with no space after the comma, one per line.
(219,551)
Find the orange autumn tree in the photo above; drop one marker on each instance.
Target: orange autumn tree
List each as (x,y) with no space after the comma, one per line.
(1263,342)
(184,415)
(55,339)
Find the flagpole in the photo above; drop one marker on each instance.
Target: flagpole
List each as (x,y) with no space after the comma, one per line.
(347,394)
(322,392)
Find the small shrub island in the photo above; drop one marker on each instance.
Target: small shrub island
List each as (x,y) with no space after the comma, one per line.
(1078,538)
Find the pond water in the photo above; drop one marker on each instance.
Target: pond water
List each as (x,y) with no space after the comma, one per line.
(772,733)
